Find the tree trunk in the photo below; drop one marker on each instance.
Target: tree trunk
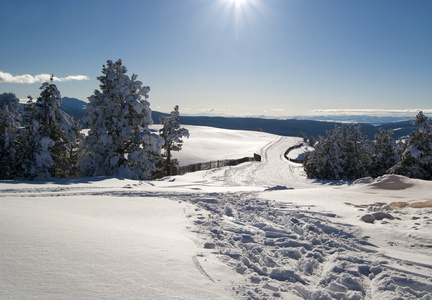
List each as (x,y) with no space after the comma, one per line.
(168,161)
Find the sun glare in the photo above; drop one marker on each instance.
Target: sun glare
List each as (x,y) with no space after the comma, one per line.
(240,16)
(238,2)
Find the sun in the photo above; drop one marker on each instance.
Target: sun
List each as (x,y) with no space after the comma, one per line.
(238,17)
(238,2)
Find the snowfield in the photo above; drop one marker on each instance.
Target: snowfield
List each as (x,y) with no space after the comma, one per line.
(259,230)
(209,144)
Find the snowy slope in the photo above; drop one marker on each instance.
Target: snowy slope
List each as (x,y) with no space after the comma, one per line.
(210,144)
(259,230)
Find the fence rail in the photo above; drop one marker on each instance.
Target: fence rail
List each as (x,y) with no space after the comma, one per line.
(216,164)
(299,161)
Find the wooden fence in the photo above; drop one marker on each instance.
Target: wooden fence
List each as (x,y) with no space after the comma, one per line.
(299,161)
(216,164)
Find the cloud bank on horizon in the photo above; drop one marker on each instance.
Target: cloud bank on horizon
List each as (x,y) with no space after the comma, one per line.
(29,79)
(370,112)
(337,112)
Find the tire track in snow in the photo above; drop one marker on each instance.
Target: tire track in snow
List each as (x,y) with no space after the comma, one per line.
(273,170)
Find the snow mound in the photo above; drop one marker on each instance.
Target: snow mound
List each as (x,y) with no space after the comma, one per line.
(392,182)
(363,180)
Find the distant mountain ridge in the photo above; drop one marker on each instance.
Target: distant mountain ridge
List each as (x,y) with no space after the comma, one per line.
(74,107)
(289,127)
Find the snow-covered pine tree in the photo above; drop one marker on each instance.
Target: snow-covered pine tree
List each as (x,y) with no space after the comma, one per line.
(10,119)
(356,158)
(324,161)
(384,154)
(340,155)
(302,135)
(172,134)
(50,136)
(416,160)
(119,141)
(311,140)
(28,133)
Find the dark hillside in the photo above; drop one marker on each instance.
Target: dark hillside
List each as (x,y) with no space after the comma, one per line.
(290,127)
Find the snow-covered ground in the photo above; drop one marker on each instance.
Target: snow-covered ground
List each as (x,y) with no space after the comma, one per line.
(259,230)
(210,144)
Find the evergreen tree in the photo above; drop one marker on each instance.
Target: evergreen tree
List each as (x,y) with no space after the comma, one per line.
(356,158)
(172,134)
(50,136)
(9,138)
(311,141)
(28,134)
(384,154)
(119,141)
(416,161)
(302,135)
(324,161)
(341,155)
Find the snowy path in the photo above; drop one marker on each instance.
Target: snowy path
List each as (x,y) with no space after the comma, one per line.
(273,170)
(288,250)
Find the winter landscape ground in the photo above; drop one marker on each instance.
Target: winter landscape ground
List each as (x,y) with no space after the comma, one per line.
(259,230)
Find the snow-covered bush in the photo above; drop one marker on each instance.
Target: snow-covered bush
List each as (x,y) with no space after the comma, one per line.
(172,134)
(119,141)
(416,161)
(10,119)
(49,137)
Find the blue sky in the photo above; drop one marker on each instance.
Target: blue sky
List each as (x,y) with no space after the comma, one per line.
(225,57)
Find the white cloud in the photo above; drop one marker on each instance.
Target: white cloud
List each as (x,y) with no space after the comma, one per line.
(26,78)
(206,110)
(212,110)
(370,112)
